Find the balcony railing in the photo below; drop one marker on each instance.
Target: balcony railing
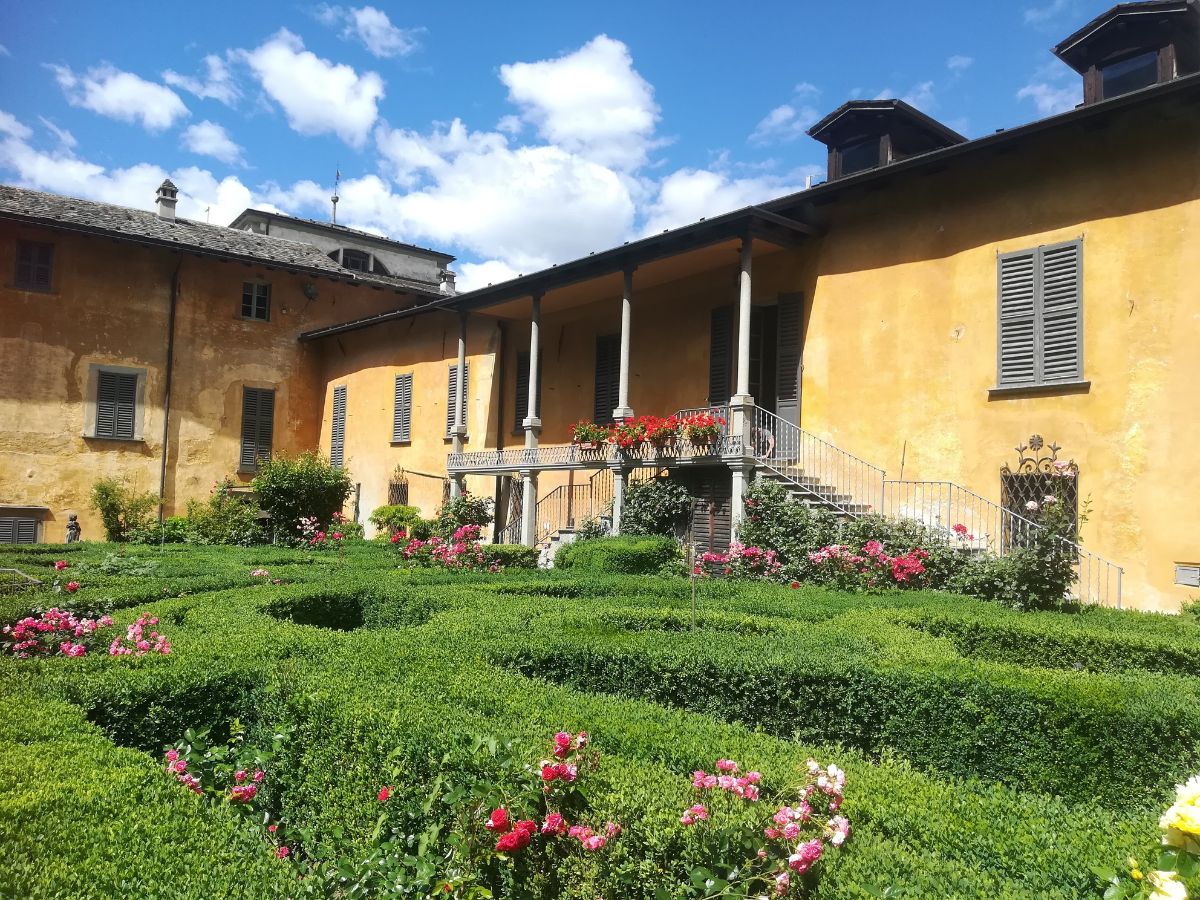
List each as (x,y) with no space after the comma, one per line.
(573,456)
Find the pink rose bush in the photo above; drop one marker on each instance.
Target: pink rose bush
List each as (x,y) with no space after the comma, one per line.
(739,561)
(461,552)
(60,632)
(791,843)
(869,568)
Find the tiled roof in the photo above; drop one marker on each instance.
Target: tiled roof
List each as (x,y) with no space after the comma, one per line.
(144,227)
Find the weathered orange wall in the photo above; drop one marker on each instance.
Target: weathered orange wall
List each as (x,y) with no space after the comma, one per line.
(109,305)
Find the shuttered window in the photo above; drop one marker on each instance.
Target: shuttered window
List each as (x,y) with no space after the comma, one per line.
(337,428)
(522,401)
(787,356)
(116,405)
(258,424)
(451,394)
(16,530)
(608,377)
(720,356)
(34,265)
(1040,315)
(256,301)
(402,410)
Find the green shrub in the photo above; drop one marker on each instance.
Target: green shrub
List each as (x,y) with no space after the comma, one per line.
(655,507)
(465,509)
(290,489)
(390,519)
(511,556)
(626,554)
(592,528)
(224,518)
(122,509)
(773,521)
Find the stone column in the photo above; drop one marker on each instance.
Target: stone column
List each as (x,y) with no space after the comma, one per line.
(458,431)
(624,410)
(532,421)
(743,473)
(740,455)
(743,357)
(529,507)
(618,497)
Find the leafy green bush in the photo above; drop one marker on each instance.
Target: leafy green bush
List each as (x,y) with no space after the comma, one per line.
(306,485)
(592,528)
(465,509)
(122,509)
(625,554)
(773,521)
(224,518)
(511,556)
(655,507)
(391,519)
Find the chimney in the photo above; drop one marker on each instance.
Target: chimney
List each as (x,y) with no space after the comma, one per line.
(448,282)
(166,201)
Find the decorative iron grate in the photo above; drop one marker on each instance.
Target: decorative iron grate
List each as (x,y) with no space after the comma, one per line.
(1038,474)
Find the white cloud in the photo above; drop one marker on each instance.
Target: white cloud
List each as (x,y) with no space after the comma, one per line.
(477,275)
(806,89)
(959,63)
(1037,15)
(590,102)
(210,139)
(373,28)
(1049,98)
(121,95)
(783,123)
(688,195)
(65,139)
(318,96)
(216,84)
(921,96)
(64,173)
(11,126)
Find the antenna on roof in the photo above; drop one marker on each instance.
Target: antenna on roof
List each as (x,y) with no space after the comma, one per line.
(334,199)
(208,215)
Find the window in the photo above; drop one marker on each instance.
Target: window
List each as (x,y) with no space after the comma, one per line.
(402,411)
(451,393)
(258,423)
(356,260)
(608,375)
(1040,333)
(116,405)
(521,407)
(337,431)
(860,157)
(18,530)
(256,300)
(1129,74)
(34,262)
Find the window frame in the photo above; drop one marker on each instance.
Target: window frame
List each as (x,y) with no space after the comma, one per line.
(252,469)
(402,435)
(1154,57)
(31,284)
(92,402)
(254,287)
(361,256)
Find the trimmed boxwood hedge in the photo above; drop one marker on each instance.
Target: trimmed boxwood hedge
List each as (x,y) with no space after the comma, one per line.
(620,555)
(953,757)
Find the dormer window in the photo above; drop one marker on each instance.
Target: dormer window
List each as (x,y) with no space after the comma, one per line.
(866,134)
(1134,46)
(356,260)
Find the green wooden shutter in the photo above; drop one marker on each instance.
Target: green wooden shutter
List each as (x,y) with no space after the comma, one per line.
(608,376)
(1017,277)
(126,406)
(787,370)
(1061,329)
(258,425)
(8,530)
(34,264)
(402,411)
(116,405)
(452,392)
(720,356)
(337,436)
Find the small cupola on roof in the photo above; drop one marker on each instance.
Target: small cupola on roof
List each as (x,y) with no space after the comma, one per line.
(1133,46)
(165,200)
(867,134)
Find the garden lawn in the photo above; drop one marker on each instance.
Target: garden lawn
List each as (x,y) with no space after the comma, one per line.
(989,753)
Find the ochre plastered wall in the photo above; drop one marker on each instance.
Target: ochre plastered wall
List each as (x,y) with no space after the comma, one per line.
(109,305)
(900,345)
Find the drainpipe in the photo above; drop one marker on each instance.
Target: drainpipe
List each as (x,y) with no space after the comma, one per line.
(162,472)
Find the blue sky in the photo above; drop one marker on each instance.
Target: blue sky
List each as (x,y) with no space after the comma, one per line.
(512,135)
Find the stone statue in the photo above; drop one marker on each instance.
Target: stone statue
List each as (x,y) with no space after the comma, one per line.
(73,530)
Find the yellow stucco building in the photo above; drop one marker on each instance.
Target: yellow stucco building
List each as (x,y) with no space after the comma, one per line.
(889,340)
